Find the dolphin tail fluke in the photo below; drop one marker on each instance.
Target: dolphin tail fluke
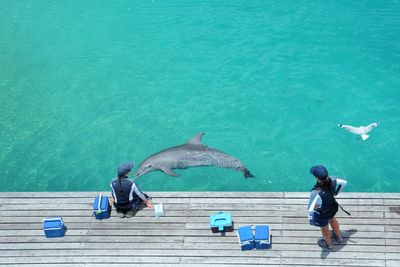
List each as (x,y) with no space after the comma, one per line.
(247,173)
(364,137)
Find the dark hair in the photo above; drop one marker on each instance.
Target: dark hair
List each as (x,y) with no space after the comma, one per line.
(119,181)
(323,184)
(326,183)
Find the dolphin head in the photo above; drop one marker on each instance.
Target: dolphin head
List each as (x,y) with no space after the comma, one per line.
(145,167)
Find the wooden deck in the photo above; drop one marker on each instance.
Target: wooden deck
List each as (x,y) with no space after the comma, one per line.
(183,237)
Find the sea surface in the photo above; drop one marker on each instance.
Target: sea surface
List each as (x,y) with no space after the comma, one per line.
(86,85)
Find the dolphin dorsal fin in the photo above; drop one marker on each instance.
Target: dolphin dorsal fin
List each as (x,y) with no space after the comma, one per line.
(196,140)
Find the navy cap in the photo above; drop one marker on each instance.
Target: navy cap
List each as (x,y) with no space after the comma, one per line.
(124,168)
(319,171)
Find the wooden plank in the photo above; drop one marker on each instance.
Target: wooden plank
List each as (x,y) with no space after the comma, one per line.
(321,261)
(346,220)
(136,265)
(304,227)
(193,206)
(392,263)
(232,247)
(391,195)
(59,207)
(97,226)
(26,246)
(139,219)
(142,219)
(127,264)
(231,260)
(297,247)
(269,201)
(76,200)
(197,213)
(393,242)
(292,240)
(392,202)
(350,195)
(216,194)
(140,253)
(393,256)
(316,253)
(392,228)
(91,239)
(367,234)
(392,215)
(98,259)
(168,194)
(260,201)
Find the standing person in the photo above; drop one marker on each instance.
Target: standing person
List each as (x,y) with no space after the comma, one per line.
(126,195)
(323,205)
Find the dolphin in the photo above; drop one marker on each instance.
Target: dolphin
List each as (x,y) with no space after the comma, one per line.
(191,154)
(362,130)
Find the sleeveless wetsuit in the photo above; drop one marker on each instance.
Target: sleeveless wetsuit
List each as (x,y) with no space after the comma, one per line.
(126,194)
(322,204)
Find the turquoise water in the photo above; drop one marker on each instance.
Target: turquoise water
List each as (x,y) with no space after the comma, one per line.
(86,85)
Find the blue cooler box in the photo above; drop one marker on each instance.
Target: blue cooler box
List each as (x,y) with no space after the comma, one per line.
(221,222)
(246,238)
(262,237)
(101,207)
(53,227)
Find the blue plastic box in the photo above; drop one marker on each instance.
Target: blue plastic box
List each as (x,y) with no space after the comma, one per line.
(221,222)
(101,207)
(53,227)
(246,238)
(262,237)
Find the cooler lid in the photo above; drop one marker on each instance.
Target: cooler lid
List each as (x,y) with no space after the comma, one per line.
(52,224)
(245,233)
(262,232)
(103,203)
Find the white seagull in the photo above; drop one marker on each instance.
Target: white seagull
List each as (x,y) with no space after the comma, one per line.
(362,130)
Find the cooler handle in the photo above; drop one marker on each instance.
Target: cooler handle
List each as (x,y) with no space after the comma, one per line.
(99,203)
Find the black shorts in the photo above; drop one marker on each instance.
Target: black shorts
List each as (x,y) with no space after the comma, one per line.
(317,220)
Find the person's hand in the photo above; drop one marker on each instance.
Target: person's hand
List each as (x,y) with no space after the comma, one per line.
(149,204)
(111,200)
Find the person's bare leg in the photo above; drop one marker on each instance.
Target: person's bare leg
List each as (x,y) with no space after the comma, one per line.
(336,229)
(327,235)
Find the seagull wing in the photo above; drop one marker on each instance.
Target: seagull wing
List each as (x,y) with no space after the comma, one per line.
(370,127)
(356,130)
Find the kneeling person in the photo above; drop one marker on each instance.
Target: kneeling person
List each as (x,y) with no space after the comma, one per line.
(126,195)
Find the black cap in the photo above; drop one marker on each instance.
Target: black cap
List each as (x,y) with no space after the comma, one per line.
(124,168)
(319,171)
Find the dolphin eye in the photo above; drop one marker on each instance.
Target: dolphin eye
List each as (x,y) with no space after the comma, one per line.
(149,166)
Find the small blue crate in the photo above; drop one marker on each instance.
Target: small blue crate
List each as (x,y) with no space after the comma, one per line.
(245,237)
(221,222)
(101,207)
(53,227)
(262,237)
